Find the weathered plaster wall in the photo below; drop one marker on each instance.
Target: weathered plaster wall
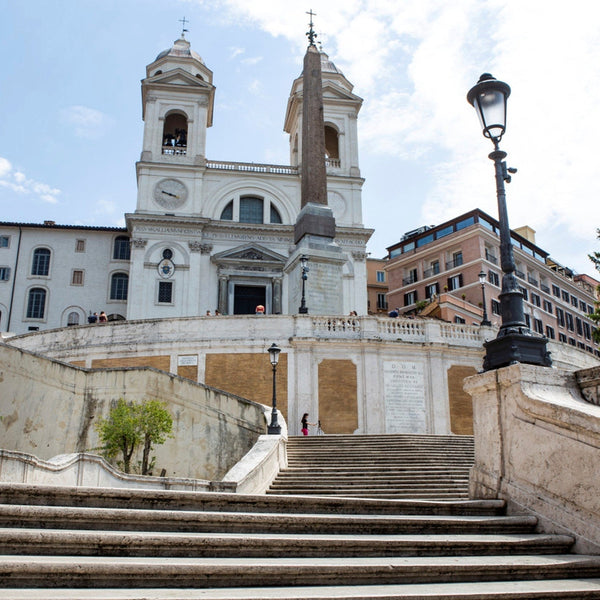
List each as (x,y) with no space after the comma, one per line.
(49,408)
(537,445)
(331,367)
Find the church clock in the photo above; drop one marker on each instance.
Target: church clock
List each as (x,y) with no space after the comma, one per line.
(170,193)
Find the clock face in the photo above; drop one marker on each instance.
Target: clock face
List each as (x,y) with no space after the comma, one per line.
(170,193)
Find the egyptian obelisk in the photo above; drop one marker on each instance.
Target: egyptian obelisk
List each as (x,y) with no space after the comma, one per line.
(314,232)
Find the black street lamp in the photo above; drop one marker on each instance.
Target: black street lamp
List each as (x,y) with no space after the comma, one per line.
(515,342)
(274,428)
(303,310)
(482,277)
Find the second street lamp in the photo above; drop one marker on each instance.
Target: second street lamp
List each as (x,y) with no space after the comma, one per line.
(274,428)
(303,310)
(515,342)
(482,277)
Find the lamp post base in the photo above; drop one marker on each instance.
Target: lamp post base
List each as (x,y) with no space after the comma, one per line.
(516,348)
(274,429)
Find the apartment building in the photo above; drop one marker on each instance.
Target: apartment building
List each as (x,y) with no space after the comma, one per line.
(434,271)
(377,286)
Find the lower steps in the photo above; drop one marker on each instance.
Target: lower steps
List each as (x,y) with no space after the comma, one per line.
(108,544)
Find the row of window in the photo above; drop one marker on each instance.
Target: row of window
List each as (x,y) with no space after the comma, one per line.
(40,264)
(36,300)
(412,275)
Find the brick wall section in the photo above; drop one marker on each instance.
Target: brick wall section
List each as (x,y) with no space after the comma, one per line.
(460,404)
(158,362)
(190,372)
(248,375)
(338,404)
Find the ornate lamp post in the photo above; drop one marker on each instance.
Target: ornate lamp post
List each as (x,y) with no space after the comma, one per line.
(303,310)
(482,277)
(274,428)
(515,341)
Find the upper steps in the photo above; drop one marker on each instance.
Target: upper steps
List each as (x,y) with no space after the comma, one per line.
(391,466)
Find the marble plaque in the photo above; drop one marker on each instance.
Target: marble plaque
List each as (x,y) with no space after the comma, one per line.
(190,360)
(404,396)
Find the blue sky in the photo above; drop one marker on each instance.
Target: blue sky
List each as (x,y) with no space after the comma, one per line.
(71,127)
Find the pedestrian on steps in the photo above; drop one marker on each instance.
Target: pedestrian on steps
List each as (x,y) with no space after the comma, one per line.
(305,424)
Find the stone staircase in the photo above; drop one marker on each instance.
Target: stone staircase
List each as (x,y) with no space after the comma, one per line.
(402,466)
(115,544)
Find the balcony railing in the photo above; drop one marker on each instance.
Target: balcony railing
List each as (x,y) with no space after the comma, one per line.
(174,150)
(224,165)
(519,274)
(409,280)
(334,163)
(491,258)
(431,272)
(533,280)
(452,264)
(545,288)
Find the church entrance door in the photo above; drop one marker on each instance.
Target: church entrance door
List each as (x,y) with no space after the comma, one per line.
(247,298)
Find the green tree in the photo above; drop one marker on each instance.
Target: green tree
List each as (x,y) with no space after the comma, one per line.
(156,424)
(129,425)
(595,316)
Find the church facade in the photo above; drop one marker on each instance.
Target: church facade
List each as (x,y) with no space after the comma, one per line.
(206,235)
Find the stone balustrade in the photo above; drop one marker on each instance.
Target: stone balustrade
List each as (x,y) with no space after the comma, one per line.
(225,165)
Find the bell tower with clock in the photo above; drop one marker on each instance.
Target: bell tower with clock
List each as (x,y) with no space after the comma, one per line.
(177,108)
(167,261)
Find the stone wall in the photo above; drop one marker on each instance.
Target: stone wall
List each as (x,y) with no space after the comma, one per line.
(338,369)
(48,408)
(537,445)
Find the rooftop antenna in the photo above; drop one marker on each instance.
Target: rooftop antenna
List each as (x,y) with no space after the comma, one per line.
(183,29)
(311,32)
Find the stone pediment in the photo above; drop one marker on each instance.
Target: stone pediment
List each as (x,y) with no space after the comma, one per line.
(330,90)
(177,77)
(249,254)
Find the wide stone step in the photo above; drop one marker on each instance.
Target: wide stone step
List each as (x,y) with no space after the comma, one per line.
(150,544)
(567,589)
(56,517)
(43,495)
(387,494)
(153,572)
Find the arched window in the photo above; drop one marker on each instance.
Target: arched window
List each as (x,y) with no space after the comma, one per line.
(36,303)
(275,216)
(227,214)
(73,318)
(251,209)
(41,262)
(121,248)
(175,133)
(332,149)
(118,286)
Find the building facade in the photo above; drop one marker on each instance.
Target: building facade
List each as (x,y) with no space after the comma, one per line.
(377,286)
(434,271)
(206,235)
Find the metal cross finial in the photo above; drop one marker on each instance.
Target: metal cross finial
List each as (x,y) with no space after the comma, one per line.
(311,32)
(183,30)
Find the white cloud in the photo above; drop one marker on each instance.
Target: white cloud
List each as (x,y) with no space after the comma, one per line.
(234,52)
(17,182)
(87,123)
(250,62)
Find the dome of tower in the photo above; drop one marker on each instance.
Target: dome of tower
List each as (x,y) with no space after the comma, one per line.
(181,49)
(327,66)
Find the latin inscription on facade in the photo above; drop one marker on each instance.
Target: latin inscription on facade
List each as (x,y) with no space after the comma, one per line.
(404,393)
(189,360)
